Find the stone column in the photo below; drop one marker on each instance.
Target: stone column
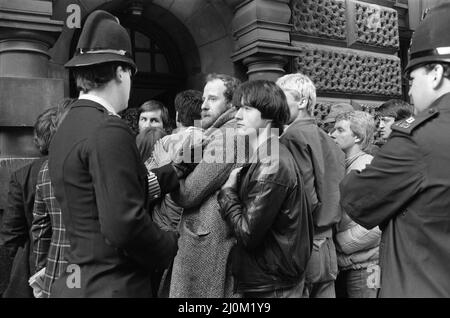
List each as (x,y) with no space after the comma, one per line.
(261,31)
(26,34)
(265,66)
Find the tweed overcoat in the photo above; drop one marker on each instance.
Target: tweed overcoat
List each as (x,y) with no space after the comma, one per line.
(201,267)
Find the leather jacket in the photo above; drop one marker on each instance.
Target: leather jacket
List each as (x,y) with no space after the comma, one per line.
(269,215)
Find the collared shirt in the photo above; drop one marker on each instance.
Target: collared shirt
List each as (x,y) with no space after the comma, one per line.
(303,121)
(101,101)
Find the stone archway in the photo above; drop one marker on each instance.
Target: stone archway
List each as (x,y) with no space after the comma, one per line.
(209,24)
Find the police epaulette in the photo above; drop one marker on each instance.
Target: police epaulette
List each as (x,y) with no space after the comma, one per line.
(407,125)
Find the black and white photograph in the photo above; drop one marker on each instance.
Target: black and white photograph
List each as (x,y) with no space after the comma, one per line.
(224,155)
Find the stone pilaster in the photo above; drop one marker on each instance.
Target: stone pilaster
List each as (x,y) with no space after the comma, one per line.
(265,66)
(26,34)
(261,31)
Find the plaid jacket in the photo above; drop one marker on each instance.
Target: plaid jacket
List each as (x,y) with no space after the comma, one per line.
(48,231)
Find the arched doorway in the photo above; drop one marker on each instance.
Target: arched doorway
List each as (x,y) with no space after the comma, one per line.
(160,67)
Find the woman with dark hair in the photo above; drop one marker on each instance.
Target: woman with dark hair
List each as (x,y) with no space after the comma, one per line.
(266,210)
(146,141)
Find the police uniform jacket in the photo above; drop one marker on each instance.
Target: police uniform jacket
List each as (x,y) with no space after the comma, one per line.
(406,190)
(101,185)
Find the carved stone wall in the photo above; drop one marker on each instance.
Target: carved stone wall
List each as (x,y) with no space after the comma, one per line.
(337,70)
(320,18)
(357,50)
(355,22)
(349,50)
(372,25)
(321,110)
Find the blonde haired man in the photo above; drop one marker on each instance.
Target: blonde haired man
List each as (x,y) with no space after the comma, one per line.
(321,164)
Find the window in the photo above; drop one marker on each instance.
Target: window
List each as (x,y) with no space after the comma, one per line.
(149,57)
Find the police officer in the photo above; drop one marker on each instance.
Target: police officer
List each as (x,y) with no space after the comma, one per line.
(406,189)
(100,181)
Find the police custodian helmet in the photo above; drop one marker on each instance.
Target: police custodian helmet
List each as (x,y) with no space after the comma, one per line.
(102,40)
(431,41)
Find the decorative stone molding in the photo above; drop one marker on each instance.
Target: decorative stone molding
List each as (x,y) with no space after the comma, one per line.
(373,25)
(261,31)
(366,105)
(353,71)
(29,14)
(320,18)
(265,66)
(358,23)
(263,21)
(26,34)
(347,71)
(27,31)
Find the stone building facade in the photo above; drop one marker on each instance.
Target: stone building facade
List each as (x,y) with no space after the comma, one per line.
(350,49)
(353,50)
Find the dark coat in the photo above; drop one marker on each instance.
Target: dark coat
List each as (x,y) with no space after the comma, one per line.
(406,190)
(101,185)
(270,217)
(15,232)
(321,164)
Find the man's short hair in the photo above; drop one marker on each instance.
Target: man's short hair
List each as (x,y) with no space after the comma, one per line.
(300,86)
(44,129)
(362,125)
(430,66)
(153,105)
(445,66)
(188,104)
(265,96)
(231,84)
(48,122)
(396,108)
(91,77)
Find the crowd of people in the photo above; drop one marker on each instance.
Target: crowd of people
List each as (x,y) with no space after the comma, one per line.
(247,197)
